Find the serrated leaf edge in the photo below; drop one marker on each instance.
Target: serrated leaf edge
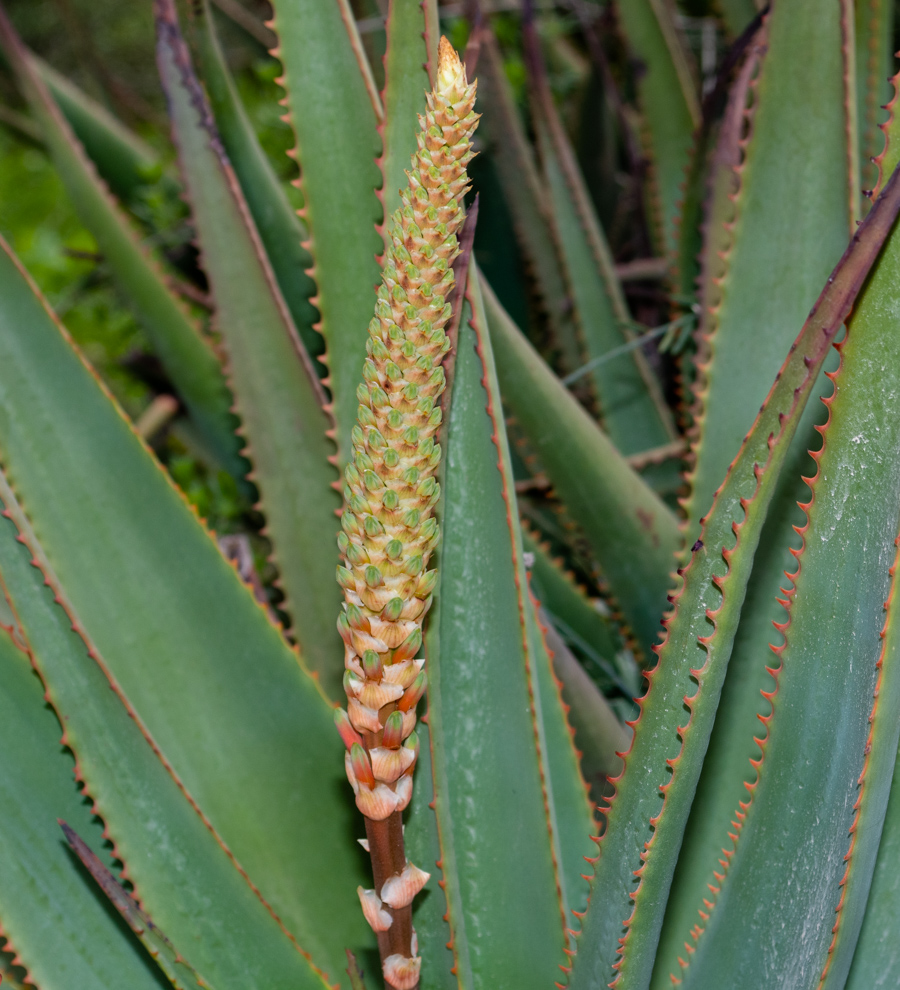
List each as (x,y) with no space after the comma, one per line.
(497,436)
(743,103)
(16,515)
(165,12)
(818,336)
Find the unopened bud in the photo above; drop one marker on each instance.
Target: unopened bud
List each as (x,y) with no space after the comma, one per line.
(362,769)
(349,735)
(393,730)
(409,647)
(413,693)
(399,890)
(392,610)
(426,584)
(372,665)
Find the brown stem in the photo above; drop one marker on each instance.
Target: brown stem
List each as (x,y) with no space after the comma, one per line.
(389,858)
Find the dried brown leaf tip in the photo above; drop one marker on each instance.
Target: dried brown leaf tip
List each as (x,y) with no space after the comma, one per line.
(388,526)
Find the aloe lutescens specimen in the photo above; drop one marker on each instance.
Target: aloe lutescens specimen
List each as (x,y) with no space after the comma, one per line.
(259,857)
(389,528)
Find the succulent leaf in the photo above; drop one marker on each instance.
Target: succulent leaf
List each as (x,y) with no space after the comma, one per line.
(621,932)
(599,735)
(632,409)
(281,230)
(738,251)
(525,194)
(480,716)
(218,917)
(406,82)
(669,105)
(423,846)
(187,357)
(776,209)
(68,939)
(874,36)
(181,975)
(848,655)
(277,391)
(833,662)
(566,601)
(616,509)
(124,160)
(142,553)
(333,112)
(712,181)
(570,813)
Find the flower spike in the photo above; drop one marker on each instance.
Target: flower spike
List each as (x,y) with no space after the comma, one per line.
(388,528)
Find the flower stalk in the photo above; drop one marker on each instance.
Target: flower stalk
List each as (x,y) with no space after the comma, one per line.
(388,526)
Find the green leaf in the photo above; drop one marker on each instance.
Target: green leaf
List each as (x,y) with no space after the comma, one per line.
(633,412)
(280,229)
(489,714)
(737,14)
(711,182)
(432,34)
(406,82)
(525,194)
(167,957)
(566,802)
(740,247)
(566,601)
(731,746)
(828,672)
(182,870)
(423,848)
(335,119)
(125,161)
(789,227)
(278,395)
(188,359)
(821,769)
(669,105)
(633,535)
(599,735)
(709,214)
(59,928)
(664,763)
(874,35)
(125,544)
(569,806)
(876,962)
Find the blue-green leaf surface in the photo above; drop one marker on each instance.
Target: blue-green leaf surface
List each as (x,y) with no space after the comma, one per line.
(335,121)
(65,937)
(277,391)
(282,232)
(182,871)
(239,719)
(490,720)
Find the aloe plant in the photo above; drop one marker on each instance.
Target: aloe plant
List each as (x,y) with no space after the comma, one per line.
(505,546)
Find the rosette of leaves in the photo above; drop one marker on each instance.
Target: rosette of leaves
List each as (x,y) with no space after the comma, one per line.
(186,740)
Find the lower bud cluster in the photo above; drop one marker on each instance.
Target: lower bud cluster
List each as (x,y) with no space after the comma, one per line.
(380,767)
